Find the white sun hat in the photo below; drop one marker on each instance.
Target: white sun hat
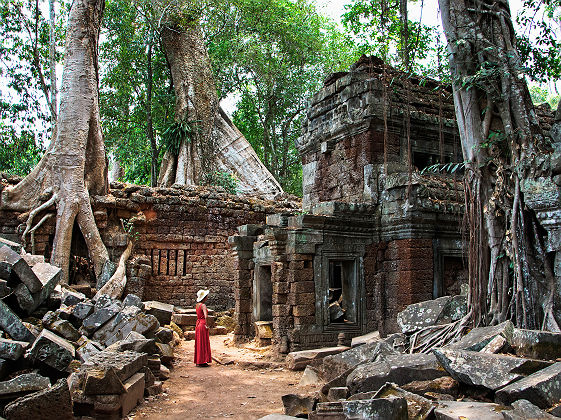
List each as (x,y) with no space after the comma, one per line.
(201,294)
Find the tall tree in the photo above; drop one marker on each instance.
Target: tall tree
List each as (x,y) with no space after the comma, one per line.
(206,140)
(511,275)
(75,165)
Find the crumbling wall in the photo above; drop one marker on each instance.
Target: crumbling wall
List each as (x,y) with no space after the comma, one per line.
(181,238)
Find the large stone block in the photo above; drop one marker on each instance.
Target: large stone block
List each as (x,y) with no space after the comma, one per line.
(400,369)
(125,364)
(523,409)
(13,262)
(23,384)
(52,350)
(391,408)
(11,323)
(102,381)
(454,410)
(100,316)
(418,407)
(298,405)
(53,403)
(134,393)
(439,311)
(49,276)
(162,311)
(118,327)
(478,338)
(542,388)
(536,344)
(298,360)
(491,371)
(12,350)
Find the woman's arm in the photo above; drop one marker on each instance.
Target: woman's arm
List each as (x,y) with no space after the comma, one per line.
(205,312)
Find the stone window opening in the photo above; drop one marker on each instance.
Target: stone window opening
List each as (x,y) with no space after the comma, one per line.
(263,294)
(342,296)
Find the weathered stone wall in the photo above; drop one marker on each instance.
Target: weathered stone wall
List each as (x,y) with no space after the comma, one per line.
(181,238)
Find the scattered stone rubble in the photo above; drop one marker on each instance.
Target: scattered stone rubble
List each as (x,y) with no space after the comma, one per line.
(497,372)
(63,355)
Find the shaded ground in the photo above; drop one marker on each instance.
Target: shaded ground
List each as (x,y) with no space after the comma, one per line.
(249,388)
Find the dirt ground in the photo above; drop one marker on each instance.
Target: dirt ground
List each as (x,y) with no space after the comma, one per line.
(250,386)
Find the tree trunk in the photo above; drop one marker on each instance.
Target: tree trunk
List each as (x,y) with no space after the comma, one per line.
(510,275)
(74,166)
(215,143)
(154,150)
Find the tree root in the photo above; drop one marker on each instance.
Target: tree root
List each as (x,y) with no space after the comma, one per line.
(32,231)
(116,284)
(28,225)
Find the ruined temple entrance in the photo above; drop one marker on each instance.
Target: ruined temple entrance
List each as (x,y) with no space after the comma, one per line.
(262,293)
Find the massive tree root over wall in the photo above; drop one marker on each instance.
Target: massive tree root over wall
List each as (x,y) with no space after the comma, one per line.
(74,165)
(511,275)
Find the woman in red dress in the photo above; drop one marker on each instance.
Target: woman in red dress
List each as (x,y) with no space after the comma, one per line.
(202,339)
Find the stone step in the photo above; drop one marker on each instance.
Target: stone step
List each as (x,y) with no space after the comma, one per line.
(190,320)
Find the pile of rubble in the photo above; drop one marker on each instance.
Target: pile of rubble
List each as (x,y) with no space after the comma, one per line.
(63,354)
(497,372)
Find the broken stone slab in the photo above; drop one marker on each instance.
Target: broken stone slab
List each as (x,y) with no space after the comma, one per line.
(298,360)
(454,410)
(24,298)
(125,364)
(399,369)
(32,259)
(105,300)
(117,327)
(134,393)
(445,385)
(496,345)
(87,349)
(337,393)
(364,339)
(418,407)
(166,353)
(135,342)
(5,290)
(11,349)
(155,389)
(491,371)
(71,297)
(52,350)
(162,311)
(163,373)
(64,329)
(536,344)
(523,409)
(298,405)
(49,276)
(53,403)
(13,262)
(542,388)
(11,324)
(337,364)
(23,384)
(102,381)
(100,316)
(478,338)
(310,377)
(442,310)
(391,408)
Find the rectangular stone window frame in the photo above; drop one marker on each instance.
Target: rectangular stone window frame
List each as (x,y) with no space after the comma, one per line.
(440,252)
(356,293)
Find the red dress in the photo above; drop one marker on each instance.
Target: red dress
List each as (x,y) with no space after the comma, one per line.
(202,339)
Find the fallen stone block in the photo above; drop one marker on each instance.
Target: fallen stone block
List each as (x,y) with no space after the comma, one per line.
(278,417)
(439,311)
(491,371)
(100,316)
(86,350)
(166,353)
(536,344)
(328,410)
(542,388)
(71,297)
(337,393)
(52,350)
(135,342)
(17,248)
(5,290)
(454,410)
(125,364)
(164,335)
(310,377)
(478,338)
(64,329)
(364,339)
(162,311)
(445,385)
(118,327)
(24,298)
(134,393)
(12,262)
(154,389)
(298,405)
(184,319)
(82,310)
(102,381)
(163,373)
(11,324)
(107,406)
(133,300)
(391,408)
(49,276)
(400,369)
(53,403)
(523,409)
(496,345)
(149,377)
(11,349)
(32,259)
(298,360)
(337,364)
(418,407)
(23,384)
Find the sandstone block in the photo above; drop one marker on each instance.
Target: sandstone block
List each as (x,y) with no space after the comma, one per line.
(102,381)
(11,349)
(12,262)
(52,350)
(23,384)
(298,360)
(298,405)
(454,410)
(134,393)
(162,311)
(52,403)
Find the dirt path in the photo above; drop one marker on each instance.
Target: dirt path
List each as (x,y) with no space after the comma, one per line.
(250,388)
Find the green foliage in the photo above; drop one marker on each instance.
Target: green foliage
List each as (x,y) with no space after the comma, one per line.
(19,152)
(128,227)
(129,42)
(540,95)
(176,133)
(450,167)
(222,179)
(273,56)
